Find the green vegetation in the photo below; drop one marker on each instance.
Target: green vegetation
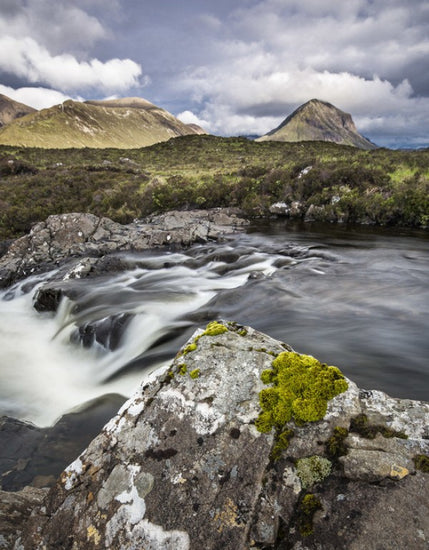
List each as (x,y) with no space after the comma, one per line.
(307,507)
(335,445)
(421,462)
(344,184)
(301,388)
(313,469)
(213,329)
(360,424)
(183,369)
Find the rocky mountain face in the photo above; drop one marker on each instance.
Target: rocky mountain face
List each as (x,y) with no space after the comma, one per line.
(191,461)
(319,121)
(11,110)
(123,123)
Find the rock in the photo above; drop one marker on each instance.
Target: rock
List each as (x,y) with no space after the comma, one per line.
(183,466)
(106,332)
(15,509)
(295,209)
(280,209)
(65,236)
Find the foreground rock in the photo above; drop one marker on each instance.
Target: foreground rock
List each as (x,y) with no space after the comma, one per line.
(183,466)
(65,236)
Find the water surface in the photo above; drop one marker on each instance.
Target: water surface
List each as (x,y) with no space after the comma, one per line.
(356,298)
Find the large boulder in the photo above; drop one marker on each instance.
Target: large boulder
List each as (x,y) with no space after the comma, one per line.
(189,462)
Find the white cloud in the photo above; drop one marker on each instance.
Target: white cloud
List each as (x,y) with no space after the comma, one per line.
(358,55)
(27,59)
(38,98)
(54,24)
(188,117)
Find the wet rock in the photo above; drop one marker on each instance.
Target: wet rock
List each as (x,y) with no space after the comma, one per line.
(65,236)
(183,466)
(106,332)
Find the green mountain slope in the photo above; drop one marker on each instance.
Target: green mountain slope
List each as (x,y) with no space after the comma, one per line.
(11,110)
(319,121)
(122,123)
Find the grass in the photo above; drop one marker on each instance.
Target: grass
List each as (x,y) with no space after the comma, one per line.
(345,183)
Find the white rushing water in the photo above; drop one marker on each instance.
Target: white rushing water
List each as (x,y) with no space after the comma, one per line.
(43,375)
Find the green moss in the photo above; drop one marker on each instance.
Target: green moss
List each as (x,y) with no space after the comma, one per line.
(360,424)
(308,506)
(182,369)
(421,462)
(335,445)
(194,373)
(282,443)
(189,348)
(242,332)
(214,329)
(313,469)
(302,387)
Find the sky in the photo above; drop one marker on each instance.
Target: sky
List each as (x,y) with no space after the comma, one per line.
(234,67)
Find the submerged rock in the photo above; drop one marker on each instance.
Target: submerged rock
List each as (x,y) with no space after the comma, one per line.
(184,466)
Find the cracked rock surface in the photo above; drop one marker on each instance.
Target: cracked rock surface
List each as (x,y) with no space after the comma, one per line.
(64,236)
(182,466)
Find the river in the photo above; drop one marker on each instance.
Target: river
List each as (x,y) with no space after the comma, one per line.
(357,298)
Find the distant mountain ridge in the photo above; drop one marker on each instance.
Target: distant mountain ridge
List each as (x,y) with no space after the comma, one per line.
(318,120)
(11,110)
(122,123)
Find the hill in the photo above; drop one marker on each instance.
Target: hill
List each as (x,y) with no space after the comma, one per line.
(319,121)
(11,110)
(121,123)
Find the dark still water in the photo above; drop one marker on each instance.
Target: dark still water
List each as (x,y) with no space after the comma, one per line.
(355,298)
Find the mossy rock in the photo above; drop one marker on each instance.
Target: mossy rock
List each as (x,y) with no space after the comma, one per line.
(301,389)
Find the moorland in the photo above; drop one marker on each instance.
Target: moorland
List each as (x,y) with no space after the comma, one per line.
(324,181)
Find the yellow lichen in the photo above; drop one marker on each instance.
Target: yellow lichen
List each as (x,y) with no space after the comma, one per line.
(93,534)
(228,516)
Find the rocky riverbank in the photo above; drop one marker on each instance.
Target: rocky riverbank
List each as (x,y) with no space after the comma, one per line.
(190,462)
(83,241)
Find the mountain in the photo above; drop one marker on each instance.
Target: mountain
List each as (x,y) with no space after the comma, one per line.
(10,110)
(122,123)
(319,121)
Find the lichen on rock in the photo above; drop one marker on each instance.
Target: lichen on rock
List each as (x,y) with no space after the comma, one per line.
(183,465)
(313,469)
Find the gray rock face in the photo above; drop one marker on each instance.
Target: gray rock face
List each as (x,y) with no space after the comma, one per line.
(60,237)
(182,466)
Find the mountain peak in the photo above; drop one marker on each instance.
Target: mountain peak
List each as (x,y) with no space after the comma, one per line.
(11,109)
(318,120)
(124,123)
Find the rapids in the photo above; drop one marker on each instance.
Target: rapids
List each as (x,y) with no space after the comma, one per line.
(356,298)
